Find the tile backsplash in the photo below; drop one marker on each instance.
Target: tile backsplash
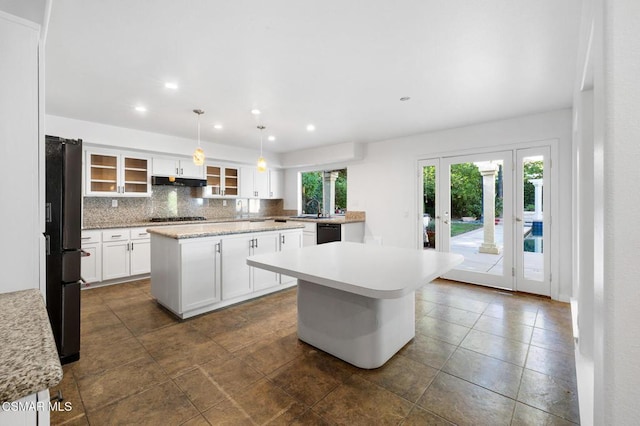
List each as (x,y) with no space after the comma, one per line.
(171,201)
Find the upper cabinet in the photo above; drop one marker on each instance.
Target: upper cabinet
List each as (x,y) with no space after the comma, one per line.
(222,181)
(121,175)
(276,184)
(253,184)
(172,167)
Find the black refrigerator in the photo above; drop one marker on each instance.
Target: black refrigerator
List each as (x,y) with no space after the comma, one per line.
(63,209)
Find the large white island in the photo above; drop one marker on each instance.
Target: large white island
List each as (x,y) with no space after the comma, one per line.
(200,268)
(357,301)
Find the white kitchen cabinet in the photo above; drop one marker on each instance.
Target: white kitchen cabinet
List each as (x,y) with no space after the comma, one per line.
(238,279)
(140,252)
(40,416)
(115,255)
(199,276)
(276,182)
(173,167)
(91,261)
(289,240)
(185,274)
(222,181)
(309,234)
(236,275)
(192,276)
(266,242)
(125,252)
(253,184)
(121,175)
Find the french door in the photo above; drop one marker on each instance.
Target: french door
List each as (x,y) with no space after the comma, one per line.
(490,207)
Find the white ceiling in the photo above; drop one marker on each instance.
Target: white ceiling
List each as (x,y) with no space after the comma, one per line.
(341,65)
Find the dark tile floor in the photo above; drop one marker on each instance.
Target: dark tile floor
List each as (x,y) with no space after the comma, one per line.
(480,356)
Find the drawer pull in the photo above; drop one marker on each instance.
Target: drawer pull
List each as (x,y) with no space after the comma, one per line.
(116,236)
(142,234)
(85,238)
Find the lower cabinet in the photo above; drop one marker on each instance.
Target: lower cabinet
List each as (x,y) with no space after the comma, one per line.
(115,259)
(199,274)
(290,240)
(33,409)
(196,275)
(91,263)
(238,278)
(115,254)
(236,274)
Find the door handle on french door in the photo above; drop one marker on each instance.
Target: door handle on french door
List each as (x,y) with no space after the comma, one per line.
(518,219)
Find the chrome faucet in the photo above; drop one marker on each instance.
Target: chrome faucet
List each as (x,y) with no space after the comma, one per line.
(313,200)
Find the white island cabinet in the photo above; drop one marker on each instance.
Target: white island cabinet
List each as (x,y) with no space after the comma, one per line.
(200,268)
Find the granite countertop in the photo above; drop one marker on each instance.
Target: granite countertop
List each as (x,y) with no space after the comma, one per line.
(213,229)
(333,219)
(29,360)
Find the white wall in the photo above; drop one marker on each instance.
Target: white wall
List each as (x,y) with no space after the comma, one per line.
(21,226)
(621,146)
(607,99)
(121,137)
(384,183)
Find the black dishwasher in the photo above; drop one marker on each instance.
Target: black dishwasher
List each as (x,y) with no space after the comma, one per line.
(329,232)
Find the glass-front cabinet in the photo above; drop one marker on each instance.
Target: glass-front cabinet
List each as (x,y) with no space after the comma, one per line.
(122,175)
(222,181)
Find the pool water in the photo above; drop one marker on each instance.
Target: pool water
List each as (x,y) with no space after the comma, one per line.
(533,244)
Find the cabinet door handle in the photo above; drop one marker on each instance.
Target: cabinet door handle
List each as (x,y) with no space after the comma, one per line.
(131,246)
(218,250)
(256,243)
(181,172)
(282,239)
(177,170)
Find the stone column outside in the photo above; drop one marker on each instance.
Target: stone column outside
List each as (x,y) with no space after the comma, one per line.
(488,170)
(329,193)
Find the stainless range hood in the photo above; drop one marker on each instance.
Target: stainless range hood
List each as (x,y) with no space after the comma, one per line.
(177,181)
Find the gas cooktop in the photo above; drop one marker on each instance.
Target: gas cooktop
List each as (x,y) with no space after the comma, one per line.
(177,219)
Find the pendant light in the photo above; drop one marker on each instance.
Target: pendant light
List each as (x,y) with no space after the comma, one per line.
(262,163)
(198,154)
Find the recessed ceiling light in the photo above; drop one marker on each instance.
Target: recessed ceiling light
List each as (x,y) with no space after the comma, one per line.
(310,127)
(171,85)
(405,98)
(217,126)
(272,138)
(255,111)
(141,108)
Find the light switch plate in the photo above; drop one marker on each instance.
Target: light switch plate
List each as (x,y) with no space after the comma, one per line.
(114,203)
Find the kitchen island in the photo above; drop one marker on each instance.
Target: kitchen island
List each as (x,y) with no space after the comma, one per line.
(357,301)
(198,268)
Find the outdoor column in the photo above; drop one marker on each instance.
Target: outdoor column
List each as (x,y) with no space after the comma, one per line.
(488,170)
(536,225)
(329,193)
(537,184)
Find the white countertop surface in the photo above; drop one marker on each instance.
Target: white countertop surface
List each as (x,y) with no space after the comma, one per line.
(368,270)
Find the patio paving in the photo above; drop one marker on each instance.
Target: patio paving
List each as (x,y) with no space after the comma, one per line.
(467,245)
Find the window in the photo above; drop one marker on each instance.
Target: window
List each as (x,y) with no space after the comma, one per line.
(324,187)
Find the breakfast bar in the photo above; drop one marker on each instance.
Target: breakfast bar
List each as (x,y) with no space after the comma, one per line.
(357,301)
